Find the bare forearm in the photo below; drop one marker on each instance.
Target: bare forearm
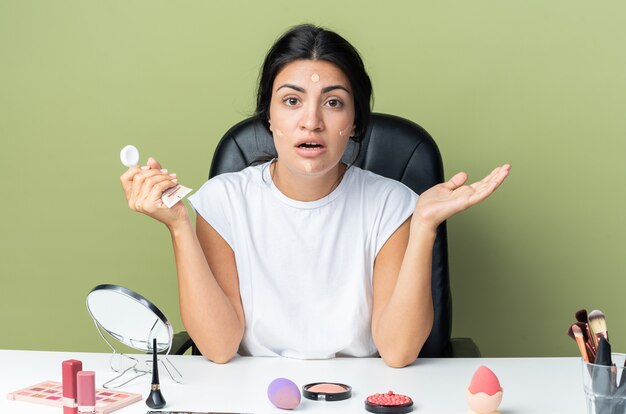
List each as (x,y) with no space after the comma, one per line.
(206,312)
(406,320)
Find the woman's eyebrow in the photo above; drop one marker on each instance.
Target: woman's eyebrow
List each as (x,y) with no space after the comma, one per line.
(294,87)
(333,87)
(324,90)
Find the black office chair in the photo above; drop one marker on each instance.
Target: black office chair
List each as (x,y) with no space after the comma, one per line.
(392,147)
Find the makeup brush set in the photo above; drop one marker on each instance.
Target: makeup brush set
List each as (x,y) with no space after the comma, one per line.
(604,382)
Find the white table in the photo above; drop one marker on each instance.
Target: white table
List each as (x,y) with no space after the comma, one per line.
(530,385)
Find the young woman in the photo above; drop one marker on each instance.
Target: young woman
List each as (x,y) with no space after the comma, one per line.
(304,256)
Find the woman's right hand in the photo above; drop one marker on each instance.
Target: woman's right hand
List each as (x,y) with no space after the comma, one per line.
(143,187)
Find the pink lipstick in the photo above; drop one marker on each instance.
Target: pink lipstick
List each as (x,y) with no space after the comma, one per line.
(86,392)
(70,369)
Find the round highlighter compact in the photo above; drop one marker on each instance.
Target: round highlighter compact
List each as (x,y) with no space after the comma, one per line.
(389,403)
(327,391)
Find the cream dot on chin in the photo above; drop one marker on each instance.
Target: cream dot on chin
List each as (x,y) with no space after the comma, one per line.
(308,167)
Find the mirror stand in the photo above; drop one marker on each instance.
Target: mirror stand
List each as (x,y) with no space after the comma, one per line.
(125,364)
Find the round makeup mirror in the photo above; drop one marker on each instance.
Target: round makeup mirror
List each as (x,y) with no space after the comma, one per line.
(134,321)
(129,318)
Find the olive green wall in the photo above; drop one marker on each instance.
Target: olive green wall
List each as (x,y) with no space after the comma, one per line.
(540,84)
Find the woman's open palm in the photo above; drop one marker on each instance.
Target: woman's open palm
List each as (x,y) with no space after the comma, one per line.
(444,200)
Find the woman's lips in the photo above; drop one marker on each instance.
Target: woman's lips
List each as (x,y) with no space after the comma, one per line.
(310,147)
(310,151)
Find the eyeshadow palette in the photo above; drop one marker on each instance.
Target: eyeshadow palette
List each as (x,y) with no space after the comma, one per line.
(51,393)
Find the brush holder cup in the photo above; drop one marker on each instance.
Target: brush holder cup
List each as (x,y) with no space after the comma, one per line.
(605,386)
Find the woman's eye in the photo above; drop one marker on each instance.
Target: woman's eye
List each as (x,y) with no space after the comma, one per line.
(334,103)
(291,101)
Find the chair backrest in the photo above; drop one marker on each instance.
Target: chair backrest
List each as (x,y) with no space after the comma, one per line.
(392,147)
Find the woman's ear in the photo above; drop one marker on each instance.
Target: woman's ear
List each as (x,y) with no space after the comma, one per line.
(269,121)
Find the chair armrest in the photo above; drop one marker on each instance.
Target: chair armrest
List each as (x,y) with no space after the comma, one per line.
(181,344)
(464,348)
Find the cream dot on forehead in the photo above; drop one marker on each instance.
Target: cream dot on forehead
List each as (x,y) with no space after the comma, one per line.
(315,78)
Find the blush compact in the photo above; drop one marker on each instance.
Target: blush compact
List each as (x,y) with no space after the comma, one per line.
(326,391)
(389,403)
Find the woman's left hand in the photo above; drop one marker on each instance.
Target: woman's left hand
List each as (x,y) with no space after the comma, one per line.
(444,200)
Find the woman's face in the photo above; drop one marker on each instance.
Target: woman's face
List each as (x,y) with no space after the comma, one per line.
(311,116)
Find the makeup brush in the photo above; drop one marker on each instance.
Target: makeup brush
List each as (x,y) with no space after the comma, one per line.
(603,378)
(580,340)
(587,341)
(155,400)
(592,350)
(597,324)
(570,332)
(581,316)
